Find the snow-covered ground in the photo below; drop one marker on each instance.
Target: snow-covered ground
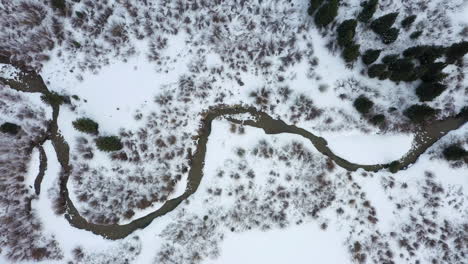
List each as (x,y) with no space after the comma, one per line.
(146,71)
(299,244)
(367,148)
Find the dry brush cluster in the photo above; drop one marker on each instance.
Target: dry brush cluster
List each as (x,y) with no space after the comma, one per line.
(21,230)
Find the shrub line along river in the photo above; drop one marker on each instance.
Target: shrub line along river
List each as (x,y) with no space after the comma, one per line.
(29,81)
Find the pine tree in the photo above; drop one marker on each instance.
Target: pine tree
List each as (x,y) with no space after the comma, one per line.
(401,70)
(456,51)
(86,125)
(454,152)
(368,10)
(414,52)
(377,70)
(383,23)
(370,56)
(59,4)
(326,13)
(434,72)
(390,36)
(377,120)
(9,128)
(109,143)
(52,98)
(351,52)
(431,53)
(429,91)
(408,21)
(390,58)
(314,5)
(419,113)
(416,34)
(363,104)
(346,32)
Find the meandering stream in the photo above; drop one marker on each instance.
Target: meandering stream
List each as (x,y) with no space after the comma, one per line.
(29,81)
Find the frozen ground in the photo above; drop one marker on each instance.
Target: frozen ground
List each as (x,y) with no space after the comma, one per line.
(300,244)
(147,71)
(369,149)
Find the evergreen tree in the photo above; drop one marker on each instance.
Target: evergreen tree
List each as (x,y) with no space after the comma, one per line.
(391,58)
(53,98)
(368,10)
(456,51)
(418,73)
(390,35)
(86,125)
(109,143)
(59,4)
(370,56)
(401,70)
(351,52)
(377,70)
(419,113)
(416,34)
(454,152)
(363,104)
(434,72)
(346,32)
(377,120)
(408,21)
(314,5)
(429,91)
(414,52)
(383,23)
(431,53)
(326,13)
(10,128)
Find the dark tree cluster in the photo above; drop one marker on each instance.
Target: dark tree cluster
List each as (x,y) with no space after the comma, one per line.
(346,32)
(456,51)
(86,125)
(383,27)
(53,98)
(370,56)
(418,63)
(419,113)
(363,104)
(325,11)
(408,21)
(454,152)
(109,143)
(368,10)
(10,128)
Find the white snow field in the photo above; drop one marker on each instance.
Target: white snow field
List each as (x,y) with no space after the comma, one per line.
(369,149)
(147,72)
(299,245)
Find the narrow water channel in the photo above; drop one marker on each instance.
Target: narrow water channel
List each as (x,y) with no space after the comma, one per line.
(425,137)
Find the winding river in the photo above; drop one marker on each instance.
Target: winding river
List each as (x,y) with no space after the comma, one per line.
(29,81)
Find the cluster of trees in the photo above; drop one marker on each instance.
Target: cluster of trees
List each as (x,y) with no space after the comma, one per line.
(109,143)
(325,11)
(383,27)
(53,98)
(103,143)
(417,63)
(455,152)
(419,113)
(363,105)
(86,125)
(9,128)
(346,32)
